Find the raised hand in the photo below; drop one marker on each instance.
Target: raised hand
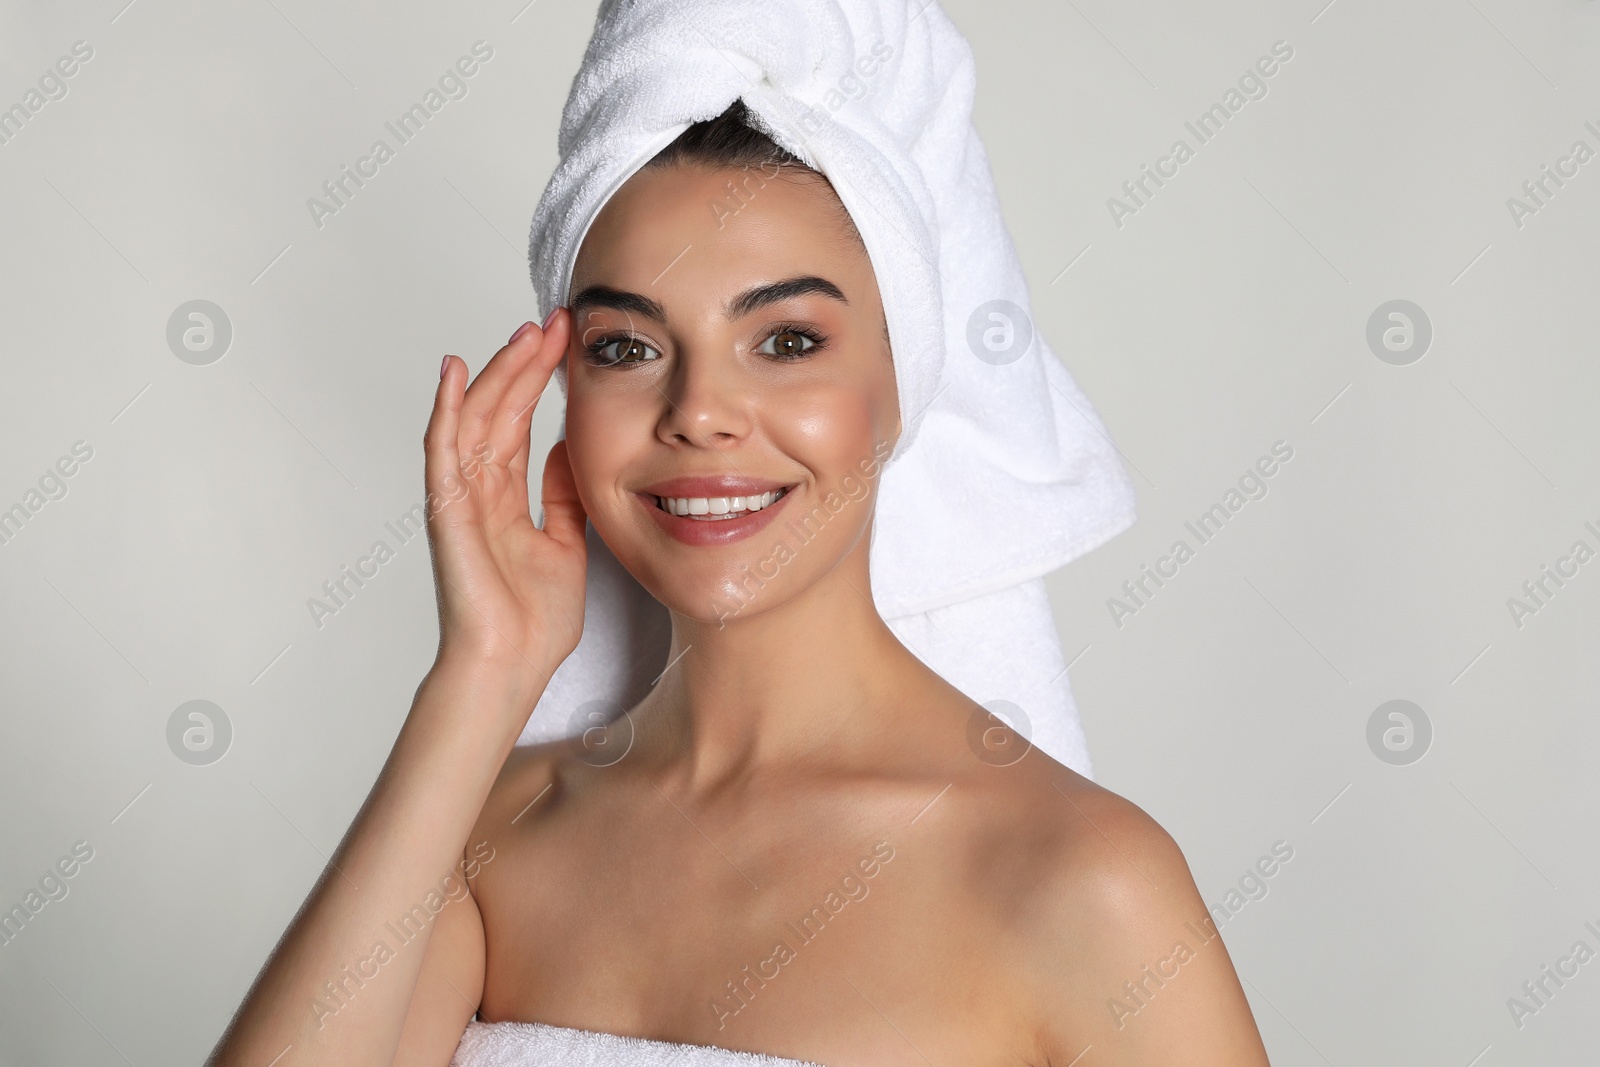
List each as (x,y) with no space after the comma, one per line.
(510,594)
(510,610)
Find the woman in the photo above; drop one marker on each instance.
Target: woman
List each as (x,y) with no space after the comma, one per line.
(791,846)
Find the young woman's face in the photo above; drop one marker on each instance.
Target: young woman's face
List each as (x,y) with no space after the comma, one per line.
(727,346)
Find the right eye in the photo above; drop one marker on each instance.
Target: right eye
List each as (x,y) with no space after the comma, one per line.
(609,353)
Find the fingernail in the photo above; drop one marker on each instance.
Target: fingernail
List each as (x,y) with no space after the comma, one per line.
(520,331)
(549,317)
(443,366)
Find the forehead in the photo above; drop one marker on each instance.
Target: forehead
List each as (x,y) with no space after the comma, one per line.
(687,233)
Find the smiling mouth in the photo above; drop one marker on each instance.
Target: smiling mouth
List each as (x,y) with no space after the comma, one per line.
(719,508)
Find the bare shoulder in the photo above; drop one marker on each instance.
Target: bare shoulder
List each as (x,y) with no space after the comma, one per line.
(530,785)
(1108,854)
(1117,948)
(526,781)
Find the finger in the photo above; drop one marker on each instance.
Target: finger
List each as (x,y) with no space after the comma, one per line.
(486,391)
(564,516)
(439,446)
(513,416)
(517,476)
(518,463)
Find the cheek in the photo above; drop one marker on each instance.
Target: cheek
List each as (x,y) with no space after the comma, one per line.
(830,426)
(604,435)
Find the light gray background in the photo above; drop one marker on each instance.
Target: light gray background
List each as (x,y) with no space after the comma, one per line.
(1228,313)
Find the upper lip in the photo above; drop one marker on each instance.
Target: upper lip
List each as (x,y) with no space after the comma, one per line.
(713,485)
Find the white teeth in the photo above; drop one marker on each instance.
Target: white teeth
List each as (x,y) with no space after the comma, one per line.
(717,505)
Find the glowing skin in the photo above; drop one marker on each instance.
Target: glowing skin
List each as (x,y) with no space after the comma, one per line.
(784,743)
(795,764)
(699,396)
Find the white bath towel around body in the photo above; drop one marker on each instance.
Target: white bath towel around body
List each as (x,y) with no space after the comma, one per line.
(541,1045)
(1004,471)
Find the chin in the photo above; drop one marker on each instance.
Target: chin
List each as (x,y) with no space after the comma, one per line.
(719,579)
(719,585)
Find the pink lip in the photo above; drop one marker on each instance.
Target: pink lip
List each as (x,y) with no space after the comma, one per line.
(708,532)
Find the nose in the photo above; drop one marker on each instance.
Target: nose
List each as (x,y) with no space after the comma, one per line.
(707,401)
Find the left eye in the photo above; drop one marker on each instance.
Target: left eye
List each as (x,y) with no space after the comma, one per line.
(786,344)
(625,350)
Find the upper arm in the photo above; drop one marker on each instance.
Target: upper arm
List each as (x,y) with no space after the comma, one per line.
(1130,960)
(449,987)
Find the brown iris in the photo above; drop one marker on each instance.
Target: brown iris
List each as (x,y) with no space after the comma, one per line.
(788,343)
(631,351)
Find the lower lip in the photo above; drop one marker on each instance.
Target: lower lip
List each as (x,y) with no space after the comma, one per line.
(692,531)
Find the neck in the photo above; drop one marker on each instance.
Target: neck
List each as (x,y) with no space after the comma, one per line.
(819,676)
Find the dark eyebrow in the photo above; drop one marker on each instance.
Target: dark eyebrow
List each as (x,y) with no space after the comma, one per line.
(620,300)
(762,295)
(597,296)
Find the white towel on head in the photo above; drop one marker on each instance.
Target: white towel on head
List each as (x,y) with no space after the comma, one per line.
(1003,471)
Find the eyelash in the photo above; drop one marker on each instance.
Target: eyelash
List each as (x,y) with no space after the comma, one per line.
(818,341)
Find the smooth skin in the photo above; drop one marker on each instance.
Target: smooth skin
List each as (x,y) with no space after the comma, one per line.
(970,900)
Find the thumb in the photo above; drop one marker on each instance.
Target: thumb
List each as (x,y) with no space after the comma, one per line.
(564,516)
